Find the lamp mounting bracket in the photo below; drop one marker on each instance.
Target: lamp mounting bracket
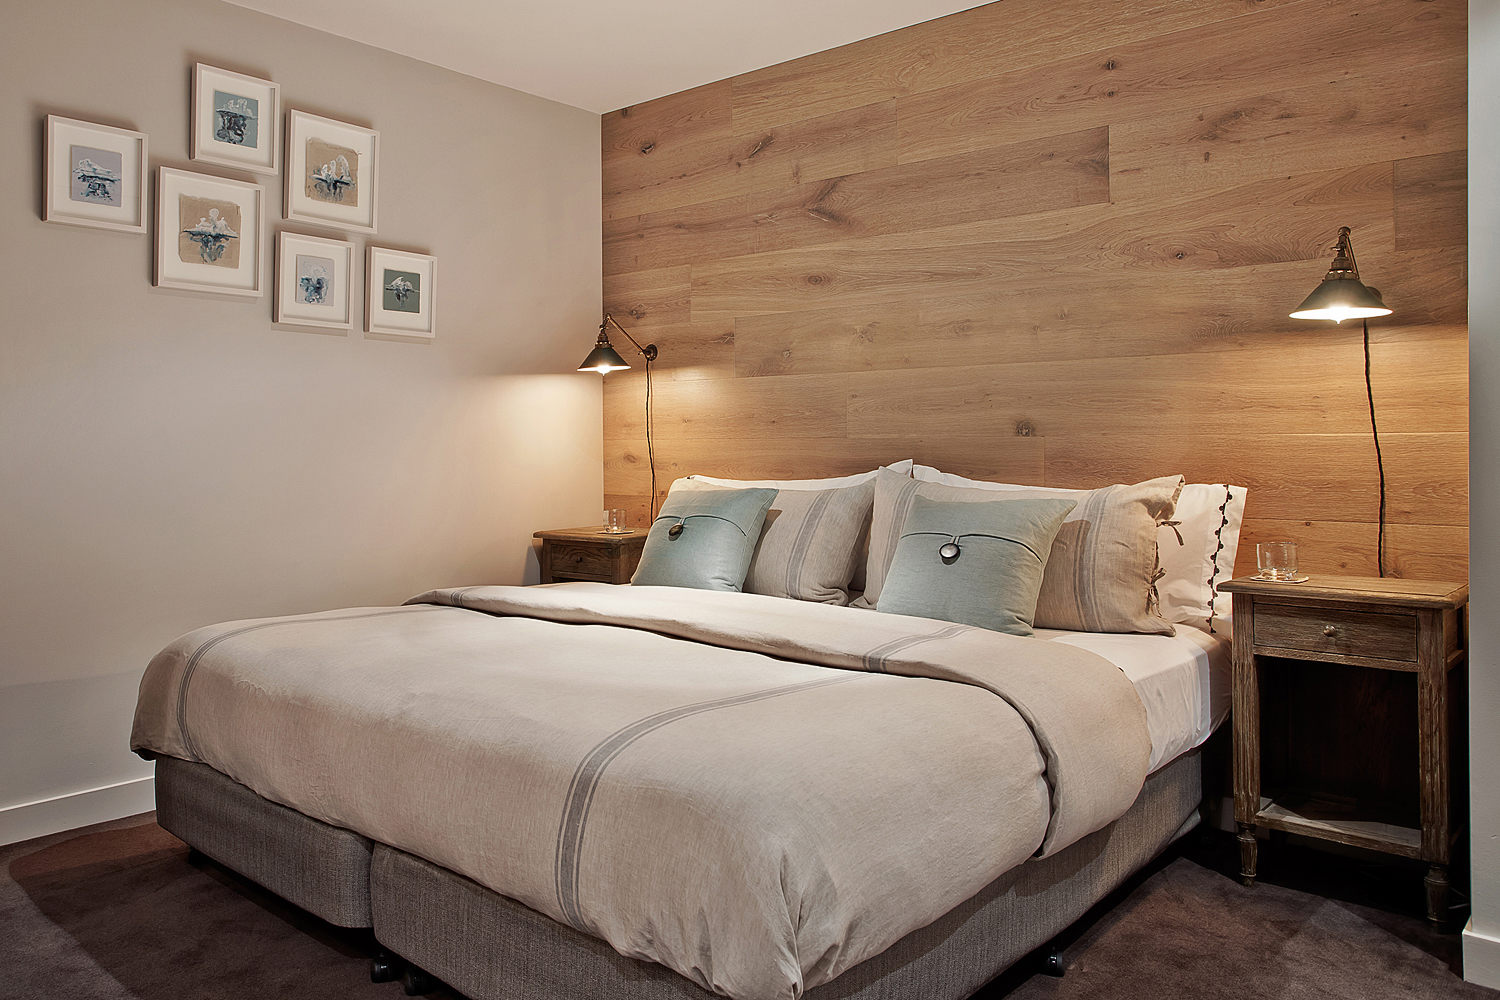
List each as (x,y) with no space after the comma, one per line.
(648,351)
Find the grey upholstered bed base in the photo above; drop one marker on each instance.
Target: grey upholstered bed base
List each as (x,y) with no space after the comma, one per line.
(492,948)
(323,869)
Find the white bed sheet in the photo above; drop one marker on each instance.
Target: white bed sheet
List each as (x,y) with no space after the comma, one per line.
(1183,680)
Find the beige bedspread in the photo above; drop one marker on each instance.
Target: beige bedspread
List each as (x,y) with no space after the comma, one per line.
(677,772)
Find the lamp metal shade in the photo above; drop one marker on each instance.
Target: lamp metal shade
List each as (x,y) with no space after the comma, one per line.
(1341,297)
(603,359)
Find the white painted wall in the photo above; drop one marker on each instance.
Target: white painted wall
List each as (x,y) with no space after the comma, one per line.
(169,459)
(1482,936)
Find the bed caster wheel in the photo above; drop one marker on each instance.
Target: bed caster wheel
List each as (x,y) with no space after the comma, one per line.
(415,982)
(1053,963)
(385,968)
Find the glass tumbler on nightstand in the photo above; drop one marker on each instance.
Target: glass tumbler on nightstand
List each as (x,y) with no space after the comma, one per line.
(614,522)
(1278,561)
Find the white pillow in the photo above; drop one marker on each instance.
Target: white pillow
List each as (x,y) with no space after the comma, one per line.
(1209,518)
(903,467)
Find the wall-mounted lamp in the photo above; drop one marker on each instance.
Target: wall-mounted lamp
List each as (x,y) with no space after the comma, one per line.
(1341,296)
(605,359)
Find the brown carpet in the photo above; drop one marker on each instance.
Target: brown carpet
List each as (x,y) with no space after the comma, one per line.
(122,911)
(1190,932)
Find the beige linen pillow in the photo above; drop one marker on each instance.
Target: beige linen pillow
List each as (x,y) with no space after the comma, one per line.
(1101,573)
(811,544)
(1196,548)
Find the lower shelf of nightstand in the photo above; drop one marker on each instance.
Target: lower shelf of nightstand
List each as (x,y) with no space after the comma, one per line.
(1315,818)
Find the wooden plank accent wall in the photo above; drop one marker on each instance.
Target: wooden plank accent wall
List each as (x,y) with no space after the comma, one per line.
(1057,244)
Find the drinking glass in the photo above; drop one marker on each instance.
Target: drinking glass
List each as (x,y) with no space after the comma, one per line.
(1277,560)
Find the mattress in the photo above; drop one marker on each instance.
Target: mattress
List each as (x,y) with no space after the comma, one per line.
(1183,680)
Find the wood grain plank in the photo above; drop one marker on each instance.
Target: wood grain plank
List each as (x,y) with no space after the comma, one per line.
(1432,200)
(644,130)
(958,49)
(1256,393)
(1415,551)
(711,169)
(689,350)
(1288,476)
(644,299)
(802,406)
(1266,222)
(1378,116)
(1111,316)
(782,457)
(1020,179)
(1202,65)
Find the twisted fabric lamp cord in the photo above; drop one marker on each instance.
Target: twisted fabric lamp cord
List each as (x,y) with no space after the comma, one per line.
(1379,464)
(651,447)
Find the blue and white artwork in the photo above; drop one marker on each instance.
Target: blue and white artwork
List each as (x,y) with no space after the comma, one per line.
(236,119)
(332,173)
(96,175)
(314,280)
(402,291)
(209,231)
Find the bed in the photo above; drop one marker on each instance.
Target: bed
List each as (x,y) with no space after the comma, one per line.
(587,790)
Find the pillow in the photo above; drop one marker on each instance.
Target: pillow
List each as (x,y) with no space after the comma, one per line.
(975,563)
(903,467)
(1197,547)
(703,540)
(1208,518)
(1101,572)
(812,542)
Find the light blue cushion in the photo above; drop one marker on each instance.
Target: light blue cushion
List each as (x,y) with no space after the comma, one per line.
(703,540)
(975,563)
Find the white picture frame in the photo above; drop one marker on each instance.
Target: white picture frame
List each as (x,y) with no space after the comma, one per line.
(236,120)
(221,251)
(400,293)
(95,176)
(332,173)
(312,282)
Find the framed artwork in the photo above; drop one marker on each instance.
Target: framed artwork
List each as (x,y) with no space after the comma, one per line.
(234,120)
(208,233)
(96,176)
(400,293)
(332,172)
(312,281)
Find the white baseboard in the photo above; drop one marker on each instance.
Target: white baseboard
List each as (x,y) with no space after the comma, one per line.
(1481,958)
(68,812)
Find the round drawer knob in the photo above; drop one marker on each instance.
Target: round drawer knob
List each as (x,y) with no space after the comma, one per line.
(1329,630)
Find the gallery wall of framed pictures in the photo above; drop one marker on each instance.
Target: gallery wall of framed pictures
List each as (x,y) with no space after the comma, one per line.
(211,231)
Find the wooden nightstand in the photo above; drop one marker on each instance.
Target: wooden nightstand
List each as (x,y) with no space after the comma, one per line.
(590,554)
(1341,693)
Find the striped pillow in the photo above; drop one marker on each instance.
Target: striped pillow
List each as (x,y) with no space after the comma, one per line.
(811,544)
(1101,574)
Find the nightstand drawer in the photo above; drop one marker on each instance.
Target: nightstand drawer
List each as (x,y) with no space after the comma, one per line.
(1331,630)
(591,562)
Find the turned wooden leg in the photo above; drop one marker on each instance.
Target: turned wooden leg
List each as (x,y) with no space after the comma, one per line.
(1248,848)
(1437,895)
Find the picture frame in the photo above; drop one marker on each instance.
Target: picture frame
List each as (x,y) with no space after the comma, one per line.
(95,176)
(332,173)
(400,293)
(221,251)
(312,282)
(235,120)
